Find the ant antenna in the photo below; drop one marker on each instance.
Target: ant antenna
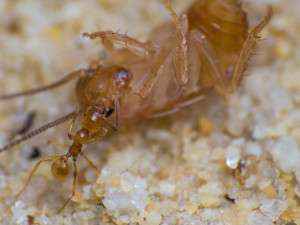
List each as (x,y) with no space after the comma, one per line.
(69,77)
(39,131)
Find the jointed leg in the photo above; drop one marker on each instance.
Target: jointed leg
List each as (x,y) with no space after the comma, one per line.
(112,126)
(64,80)
(147,85)
(180,59)
(72,124)
(91,164)
(206,51)
(31,173)
(248,48)
(109,38)
(180,55)
(117,107)
(75,174)
(71,128)
(179,106)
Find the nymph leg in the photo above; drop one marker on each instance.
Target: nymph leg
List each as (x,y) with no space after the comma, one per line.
(206,52)
(110,38)
(180,59)
(248,48)
(179,106)
(64,80)
(179,54)
(150,80)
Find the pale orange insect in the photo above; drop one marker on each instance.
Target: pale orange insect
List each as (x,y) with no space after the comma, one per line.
(206,48)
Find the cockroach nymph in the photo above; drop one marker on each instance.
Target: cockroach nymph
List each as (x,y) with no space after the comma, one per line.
(206,48)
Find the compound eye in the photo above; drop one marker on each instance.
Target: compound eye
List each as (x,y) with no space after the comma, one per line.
(109,112)
(97,113)
(122,77)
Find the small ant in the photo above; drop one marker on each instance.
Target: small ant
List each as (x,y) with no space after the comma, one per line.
(206,48)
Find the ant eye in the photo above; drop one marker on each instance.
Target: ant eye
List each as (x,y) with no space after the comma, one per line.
(109,112)
(122,77)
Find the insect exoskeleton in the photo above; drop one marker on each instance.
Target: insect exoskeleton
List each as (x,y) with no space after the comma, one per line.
(205,48)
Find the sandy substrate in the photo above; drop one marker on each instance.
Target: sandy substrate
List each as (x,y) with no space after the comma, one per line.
(235,163)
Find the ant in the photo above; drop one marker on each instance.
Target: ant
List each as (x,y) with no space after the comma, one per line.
(206,48)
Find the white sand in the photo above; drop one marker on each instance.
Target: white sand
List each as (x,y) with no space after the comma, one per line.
(246,172)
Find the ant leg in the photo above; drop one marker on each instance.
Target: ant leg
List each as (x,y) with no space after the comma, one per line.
(71,76)
(31,173)
(117,106)
(109,38)
(75,173)
(206,51)
(247,50)
(112,126)
(91,164)
(71,128)
(180,59)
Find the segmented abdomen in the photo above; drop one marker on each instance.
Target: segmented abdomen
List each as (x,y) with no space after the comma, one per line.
(222,21)
(225,25)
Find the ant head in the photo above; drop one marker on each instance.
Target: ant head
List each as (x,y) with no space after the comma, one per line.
(94,118)
(60,168)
